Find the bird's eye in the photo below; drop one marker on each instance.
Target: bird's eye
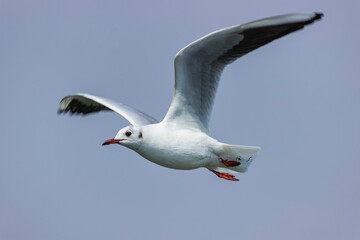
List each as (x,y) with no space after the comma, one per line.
(128,133)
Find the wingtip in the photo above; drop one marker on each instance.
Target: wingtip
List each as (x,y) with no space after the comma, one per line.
(318,15)
(60,111)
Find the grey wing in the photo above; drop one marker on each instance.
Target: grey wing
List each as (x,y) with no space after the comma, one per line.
(85,103)
(199,65)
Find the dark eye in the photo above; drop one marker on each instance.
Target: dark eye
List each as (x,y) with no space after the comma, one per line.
(128,133)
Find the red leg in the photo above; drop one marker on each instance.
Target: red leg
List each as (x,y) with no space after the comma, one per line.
(226,176)
(230,163)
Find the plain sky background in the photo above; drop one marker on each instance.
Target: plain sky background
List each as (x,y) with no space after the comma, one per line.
(298,98)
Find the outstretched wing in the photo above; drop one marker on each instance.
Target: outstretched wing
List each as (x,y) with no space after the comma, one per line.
(85,103)
(198,66)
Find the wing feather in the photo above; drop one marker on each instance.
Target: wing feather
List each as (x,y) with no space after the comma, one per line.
(85,103)
(199,65)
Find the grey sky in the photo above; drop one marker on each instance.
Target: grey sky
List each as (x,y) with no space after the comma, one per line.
(298,98)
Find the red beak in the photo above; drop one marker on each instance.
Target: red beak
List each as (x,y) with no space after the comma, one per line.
(111,141)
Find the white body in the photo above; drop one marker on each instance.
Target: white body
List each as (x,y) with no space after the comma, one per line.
(178,148)
(169,146)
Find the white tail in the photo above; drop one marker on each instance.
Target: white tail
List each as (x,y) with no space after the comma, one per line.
(243,154)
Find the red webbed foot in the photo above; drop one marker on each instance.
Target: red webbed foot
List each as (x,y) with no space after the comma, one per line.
(226,176)
(229,163)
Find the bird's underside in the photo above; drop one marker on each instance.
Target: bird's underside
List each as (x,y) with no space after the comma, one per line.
(198,67)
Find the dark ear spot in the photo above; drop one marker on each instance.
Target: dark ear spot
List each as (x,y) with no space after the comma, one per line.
(140,135)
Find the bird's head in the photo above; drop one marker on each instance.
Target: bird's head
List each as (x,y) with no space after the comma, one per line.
(130,136)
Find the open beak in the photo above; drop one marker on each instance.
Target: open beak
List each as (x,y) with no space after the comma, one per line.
(111,141)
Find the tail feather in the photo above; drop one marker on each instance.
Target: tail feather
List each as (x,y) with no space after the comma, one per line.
(243,154)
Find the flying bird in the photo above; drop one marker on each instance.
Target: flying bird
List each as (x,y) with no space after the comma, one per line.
(182,140)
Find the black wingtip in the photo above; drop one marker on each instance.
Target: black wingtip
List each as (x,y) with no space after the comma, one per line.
(318,15)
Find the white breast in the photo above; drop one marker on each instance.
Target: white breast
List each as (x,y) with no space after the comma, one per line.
(178,148)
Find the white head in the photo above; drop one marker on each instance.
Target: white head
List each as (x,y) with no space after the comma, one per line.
(130,136)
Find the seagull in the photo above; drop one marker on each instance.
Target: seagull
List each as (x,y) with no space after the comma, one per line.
(182,139)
